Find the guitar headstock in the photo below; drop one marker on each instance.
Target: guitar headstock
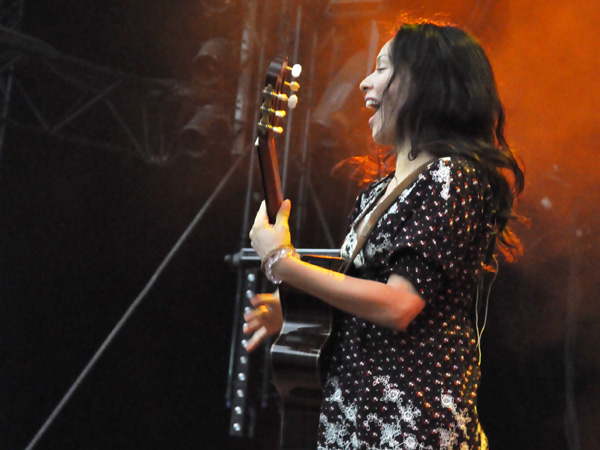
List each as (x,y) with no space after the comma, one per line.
(271,110)
(274,98)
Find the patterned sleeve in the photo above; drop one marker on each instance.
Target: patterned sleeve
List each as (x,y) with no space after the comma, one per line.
(439,236)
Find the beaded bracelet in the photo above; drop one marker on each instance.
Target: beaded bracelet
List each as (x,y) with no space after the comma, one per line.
(274,256)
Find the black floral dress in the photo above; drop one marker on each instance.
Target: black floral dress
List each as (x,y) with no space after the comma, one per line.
(414,389)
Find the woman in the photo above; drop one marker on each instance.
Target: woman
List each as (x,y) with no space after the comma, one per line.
(404,370)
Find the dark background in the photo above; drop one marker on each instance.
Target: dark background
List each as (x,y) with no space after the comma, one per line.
(83,230)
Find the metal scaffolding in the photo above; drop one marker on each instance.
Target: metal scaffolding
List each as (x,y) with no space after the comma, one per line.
(73,100)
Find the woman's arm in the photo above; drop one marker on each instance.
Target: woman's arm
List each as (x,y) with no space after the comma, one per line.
(393,304)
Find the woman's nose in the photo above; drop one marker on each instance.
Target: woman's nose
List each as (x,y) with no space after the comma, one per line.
(364,85)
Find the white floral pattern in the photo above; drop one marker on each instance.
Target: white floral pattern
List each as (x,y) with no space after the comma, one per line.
(449,437)
(392,435)
(442,175)
(337,431)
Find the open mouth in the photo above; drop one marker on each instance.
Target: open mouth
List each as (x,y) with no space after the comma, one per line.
(372,104)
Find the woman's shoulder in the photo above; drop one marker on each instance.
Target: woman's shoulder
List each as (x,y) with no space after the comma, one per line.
(454,176)
(454,169)
(453,164)
(446,170)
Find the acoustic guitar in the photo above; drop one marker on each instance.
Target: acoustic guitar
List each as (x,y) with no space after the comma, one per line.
(298,355)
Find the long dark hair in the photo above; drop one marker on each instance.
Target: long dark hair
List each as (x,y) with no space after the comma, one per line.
(453,109)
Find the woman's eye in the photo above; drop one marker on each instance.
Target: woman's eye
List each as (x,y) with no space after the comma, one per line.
(380,69)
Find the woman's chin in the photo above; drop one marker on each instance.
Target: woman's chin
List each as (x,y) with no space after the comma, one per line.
(381,139)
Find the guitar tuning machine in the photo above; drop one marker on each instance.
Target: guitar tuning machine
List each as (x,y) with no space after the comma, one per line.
(296,70)
(292,101)
(294,86)
(267,127)
(276,113)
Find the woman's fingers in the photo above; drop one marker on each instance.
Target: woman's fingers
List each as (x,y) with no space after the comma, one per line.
(261,218)
(283,214)
(256,313)
(266,237)
(257,338)
(255,319)
(263,299)
(251,326)
(264,320)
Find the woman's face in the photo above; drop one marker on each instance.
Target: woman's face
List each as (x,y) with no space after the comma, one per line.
(385,104)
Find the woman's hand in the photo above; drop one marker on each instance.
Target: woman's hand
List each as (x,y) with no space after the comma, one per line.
(264,320)
(265,237)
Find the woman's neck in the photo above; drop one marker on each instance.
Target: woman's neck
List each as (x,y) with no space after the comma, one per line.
(405,165)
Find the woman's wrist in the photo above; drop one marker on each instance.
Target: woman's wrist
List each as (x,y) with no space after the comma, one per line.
(273,257)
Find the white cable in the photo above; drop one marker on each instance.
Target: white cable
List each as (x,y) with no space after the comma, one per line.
(487,301)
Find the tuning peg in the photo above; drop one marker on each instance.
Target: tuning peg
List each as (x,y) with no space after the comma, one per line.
(277,113)
(267,127)
(296,70)
(270,94)
(294,86)
(292,101)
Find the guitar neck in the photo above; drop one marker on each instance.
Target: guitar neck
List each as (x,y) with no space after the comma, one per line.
(269,170)
(271,110)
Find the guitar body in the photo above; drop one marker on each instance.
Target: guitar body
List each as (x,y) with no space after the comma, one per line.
(298,355)
(299,361)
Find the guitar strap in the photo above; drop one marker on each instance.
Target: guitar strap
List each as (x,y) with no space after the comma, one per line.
(379,210)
